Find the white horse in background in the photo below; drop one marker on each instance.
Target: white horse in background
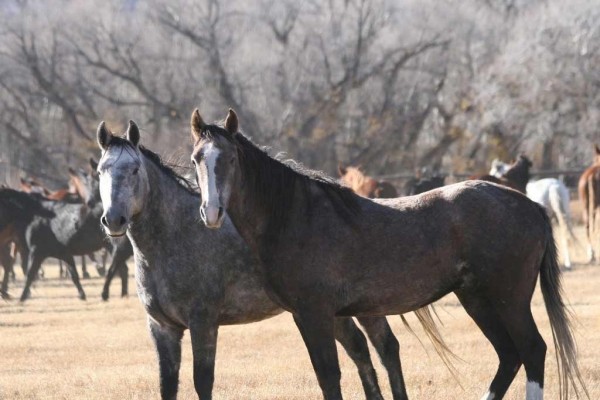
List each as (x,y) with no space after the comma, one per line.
(554,196)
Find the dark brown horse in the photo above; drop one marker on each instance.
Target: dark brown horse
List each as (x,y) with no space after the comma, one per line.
(589,196)
(421,185)
(327,252)
(364,185)
(515,177)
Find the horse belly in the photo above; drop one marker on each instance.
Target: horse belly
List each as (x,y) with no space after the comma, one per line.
(393,298)
(246,301)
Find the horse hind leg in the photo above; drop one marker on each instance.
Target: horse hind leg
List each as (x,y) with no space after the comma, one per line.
(521,327)
(7,263)
(381,336)
(70,261)
(490,323)
(590,220)
(355,344)
(561,213)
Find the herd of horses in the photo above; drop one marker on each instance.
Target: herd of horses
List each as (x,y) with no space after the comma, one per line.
(254,236)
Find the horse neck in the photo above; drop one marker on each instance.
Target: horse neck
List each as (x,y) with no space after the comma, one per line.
(519,175)
(253,219)
(164,204)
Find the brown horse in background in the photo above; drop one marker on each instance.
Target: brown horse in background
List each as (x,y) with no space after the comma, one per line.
(589,195)
(364,185)
(516,177)
(33,186)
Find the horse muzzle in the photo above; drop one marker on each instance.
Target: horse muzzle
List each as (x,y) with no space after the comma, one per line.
(212,216)
(115,224)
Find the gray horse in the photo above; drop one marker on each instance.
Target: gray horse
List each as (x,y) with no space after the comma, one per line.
(486,243)
(189,277)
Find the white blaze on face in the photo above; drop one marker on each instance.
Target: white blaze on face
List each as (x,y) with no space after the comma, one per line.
(534,391)
(107,187)
(209,189)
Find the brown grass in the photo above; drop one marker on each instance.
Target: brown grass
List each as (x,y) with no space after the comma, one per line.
(57,347)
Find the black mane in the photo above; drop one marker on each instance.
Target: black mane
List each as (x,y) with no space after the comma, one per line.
(274,181)
(167,168)
(518,173)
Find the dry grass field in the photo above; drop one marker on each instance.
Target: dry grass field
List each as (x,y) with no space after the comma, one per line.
(57,347)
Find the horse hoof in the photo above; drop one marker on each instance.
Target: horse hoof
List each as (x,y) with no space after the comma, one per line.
(105,296)
(86,275)
(6,296)
(82,296)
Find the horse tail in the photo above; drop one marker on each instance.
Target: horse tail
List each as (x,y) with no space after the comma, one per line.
(425,317)
(562,334)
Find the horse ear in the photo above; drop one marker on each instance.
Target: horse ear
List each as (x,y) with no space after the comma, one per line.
(72,171)
(103,136)
(93,164)
(597,148)
(342,170)
(231,122)
(197,124)
(133,133)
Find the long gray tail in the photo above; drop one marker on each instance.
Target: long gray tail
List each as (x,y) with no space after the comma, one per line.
(562,334)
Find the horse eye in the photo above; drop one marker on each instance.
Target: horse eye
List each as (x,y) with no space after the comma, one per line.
(135,171)
(193,162)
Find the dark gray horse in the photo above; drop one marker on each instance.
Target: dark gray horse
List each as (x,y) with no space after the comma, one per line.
(327,252)
(73,230)
(17,210)
(189,277)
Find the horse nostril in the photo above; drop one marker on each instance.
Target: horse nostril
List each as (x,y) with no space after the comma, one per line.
(220,212)
(122,220)
(104,221)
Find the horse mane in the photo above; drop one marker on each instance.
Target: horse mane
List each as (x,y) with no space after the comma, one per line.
(273,182)
(519,169)
(518,173)
(167,168)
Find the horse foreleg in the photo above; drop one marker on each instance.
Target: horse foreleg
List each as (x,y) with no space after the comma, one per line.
(381,336)
(203,333)
(317,330)
(33,264)
(168,347)
(355,344)
(84,272)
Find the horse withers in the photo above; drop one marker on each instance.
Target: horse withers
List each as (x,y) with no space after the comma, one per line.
(486,243)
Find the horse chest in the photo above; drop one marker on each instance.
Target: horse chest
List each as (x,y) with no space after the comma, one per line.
(163,303)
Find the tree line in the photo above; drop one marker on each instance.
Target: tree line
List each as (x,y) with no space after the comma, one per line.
(390,85)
